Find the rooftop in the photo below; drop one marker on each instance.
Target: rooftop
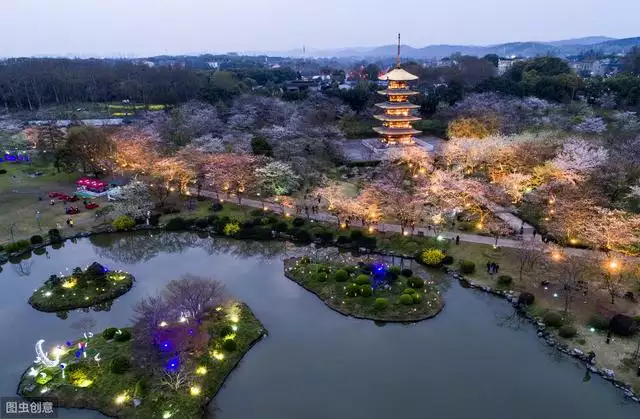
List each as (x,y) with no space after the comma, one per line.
(397,105)
(398,74)
(397,92)
(396,131)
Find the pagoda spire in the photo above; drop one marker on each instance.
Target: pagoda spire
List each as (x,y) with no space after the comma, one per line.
(398,59)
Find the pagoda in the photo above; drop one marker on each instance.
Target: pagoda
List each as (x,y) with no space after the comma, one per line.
(397,117)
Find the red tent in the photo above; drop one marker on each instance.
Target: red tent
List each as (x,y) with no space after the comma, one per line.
(94,185)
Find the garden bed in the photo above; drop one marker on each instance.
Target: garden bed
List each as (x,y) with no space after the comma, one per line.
(93,286)
(115,387)
(368,291)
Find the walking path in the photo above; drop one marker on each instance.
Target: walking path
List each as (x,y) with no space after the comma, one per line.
(395,228)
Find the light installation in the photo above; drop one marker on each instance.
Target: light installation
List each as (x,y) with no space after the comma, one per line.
(397,118)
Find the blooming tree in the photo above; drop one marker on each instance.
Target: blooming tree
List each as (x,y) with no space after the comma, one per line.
(133,200)
(277,178)
(578,158)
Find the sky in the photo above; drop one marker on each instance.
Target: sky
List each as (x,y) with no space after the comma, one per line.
(128,28)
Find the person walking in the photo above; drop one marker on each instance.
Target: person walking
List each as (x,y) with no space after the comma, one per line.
(71,222)
(488,267)
(457,240)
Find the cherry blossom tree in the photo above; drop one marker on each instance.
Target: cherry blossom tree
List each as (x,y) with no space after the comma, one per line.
(578,158)
(277,178)
(133,200)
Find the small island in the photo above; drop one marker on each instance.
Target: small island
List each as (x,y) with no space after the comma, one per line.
(170,363)
(81,289)
(373,291)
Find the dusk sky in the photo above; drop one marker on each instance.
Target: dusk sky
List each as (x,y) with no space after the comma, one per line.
(152,27)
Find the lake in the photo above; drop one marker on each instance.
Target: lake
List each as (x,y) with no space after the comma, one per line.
(476,359)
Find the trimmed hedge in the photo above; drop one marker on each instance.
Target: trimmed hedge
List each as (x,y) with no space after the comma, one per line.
(123,336)
(553,319)
(415,282)
(567,331)
(599,322)
(362,279)
(467,267)
(340,275)
(405,299)
(504,280)
(229,345)
(381,303)
(366,291)
(36,239)
(123,222)
(109,333)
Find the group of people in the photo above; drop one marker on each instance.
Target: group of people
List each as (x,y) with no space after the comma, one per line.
(492,268)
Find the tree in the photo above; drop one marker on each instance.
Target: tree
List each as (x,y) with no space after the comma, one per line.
(134,200)
(277,178)
(631,61)
(261,146)
(194,295)
(572,273)
(578,158)
(472,128)
(530,254)
(90,147)
(492,58)
(617,274)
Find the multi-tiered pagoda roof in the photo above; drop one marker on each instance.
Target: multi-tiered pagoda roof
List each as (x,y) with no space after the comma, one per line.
(397,117)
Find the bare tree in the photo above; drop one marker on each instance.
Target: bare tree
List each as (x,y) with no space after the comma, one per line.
(175,380)
(530,254)
(616,274)
(572,273)
(194,295)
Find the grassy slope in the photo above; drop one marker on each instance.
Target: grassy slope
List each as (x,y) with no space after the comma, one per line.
(157,398)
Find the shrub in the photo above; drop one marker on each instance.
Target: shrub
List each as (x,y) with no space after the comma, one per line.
(323,267)
(120,365)
(301,235)
(281,227)
(467,267)
(17,246)
(217,206)
(395,271)
(415,282)
(504,280)
(341,275)
(447,260)
(432,257)
(231,229)
(123,336)
(356,235)
(123,222)
(621,325)
(599,322)
(352,290)
(567,331)
(407,273)
(342,239)
(405,299)
(526,298)
(154,220)
(255,213)
(305,260)
(553,319)
(362,279)
(298,222)
(368,242)
(409,291)
(176,224)
(36,239)
(109,333)
(366,291)
(325,236)
(202,223)
(226,331)
(54,232)
(416,298)
(229,345)
(3,171)
(380,304)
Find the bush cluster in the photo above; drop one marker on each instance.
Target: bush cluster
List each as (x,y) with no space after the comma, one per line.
(567,331)
(447,260)
(406,299)
(36,239)
(229,345)
(17,246)
(380,304)
(467,267)
(432,257)
(553,319)
(177,224)
(362,279)
(340,275)
(415,282)
(123,336)
(366,291)
(599,322)
(504,280)
(231,228)
(108,333)
(124,222)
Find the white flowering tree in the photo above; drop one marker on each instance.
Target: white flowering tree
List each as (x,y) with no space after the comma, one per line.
(277,178)
(578,158)
(591,125)
(133,200)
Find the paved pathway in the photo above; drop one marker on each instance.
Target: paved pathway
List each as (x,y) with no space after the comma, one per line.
(384,227)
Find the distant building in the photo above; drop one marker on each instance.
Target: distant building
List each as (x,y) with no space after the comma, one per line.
(589,67)
(506,63)
(213,64)
(301,85)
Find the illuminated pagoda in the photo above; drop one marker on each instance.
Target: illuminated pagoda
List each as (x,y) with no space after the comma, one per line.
(397,118)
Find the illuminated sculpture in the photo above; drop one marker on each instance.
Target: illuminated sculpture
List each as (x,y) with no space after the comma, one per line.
(43,358)
(397,118)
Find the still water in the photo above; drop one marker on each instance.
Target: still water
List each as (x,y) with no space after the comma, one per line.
(473,361)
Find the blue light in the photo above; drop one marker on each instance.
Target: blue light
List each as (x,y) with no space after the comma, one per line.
(173,364)
(165,346)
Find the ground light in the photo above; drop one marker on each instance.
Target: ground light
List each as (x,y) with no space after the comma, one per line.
(218,355)
(201,370)
(166,414)
(195,390)
(121,398)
